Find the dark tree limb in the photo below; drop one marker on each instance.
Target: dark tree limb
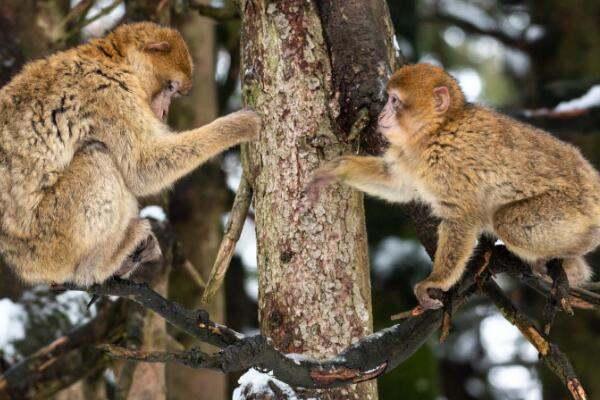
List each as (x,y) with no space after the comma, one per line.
(195,323)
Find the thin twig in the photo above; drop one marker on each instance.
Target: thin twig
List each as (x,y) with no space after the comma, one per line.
(233,230)
(193,273)
(550,354)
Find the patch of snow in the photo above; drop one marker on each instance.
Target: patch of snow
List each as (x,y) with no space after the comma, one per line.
(430,58)
(254,383)
(515,381)
(12,325)
(154,212)
(535,33)
(103,24)
(590,99)
(517,61)
(467,11)
(484,48)
(71,301)
(503,341)
(519,20)
(251,287)
(403,46)
(232,166)
(223,64)
(454,36)
(392,250)
(297,358)
(469,81)
(464,346)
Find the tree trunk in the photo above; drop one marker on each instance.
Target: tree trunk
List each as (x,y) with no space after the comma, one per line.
(196,208)
(314,286)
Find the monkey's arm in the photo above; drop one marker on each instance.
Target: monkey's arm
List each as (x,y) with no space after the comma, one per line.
(160,160)
(367,174)
(456,240)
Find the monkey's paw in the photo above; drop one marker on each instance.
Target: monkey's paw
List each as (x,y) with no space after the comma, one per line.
(249,123)
(424,291)
(321,178)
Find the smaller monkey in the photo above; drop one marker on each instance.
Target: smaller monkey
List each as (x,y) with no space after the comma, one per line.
(481,173)
(82,136)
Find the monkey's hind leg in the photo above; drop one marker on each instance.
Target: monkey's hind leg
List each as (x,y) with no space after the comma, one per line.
(88,221)
(549,227)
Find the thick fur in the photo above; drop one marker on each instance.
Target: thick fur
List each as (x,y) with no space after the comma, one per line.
(481,172)
(79,142)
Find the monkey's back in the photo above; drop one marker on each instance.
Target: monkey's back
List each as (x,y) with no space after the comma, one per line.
(47,112)
(508,161)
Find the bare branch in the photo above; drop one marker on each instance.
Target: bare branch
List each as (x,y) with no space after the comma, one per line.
(221,14)
(65,360)
(516,42)
(194,323)
(193,273)
(237,217)
(550,354)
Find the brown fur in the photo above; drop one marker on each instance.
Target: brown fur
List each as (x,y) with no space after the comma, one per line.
(79,141)
(481,172)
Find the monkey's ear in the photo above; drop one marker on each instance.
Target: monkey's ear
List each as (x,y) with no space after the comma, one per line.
(161,47)
(441,96)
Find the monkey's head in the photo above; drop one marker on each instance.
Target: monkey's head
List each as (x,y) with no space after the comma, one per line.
(160,58)
(421,97)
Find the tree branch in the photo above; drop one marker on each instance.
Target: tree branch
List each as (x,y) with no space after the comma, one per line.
(220,14)
(237,217)
(66,360)
(550,354)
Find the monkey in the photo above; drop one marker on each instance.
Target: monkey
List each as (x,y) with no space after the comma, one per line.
(83,136)
(480,172)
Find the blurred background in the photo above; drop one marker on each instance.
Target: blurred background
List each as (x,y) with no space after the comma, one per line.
(538,61)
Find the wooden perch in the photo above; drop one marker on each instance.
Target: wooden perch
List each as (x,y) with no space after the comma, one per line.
(233,230)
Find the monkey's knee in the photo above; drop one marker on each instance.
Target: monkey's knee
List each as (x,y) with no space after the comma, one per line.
(578,270)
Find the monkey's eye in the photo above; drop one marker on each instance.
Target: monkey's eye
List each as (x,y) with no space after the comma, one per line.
(171,86)
(396,103)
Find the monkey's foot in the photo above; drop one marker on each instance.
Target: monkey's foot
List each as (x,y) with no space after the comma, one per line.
(147,251)
(424,292)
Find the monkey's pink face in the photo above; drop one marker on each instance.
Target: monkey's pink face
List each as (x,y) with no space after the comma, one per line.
(162,100)
(395,122)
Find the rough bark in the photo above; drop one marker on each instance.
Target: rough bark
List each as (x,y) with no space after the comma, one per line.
(196,208)
(314,288)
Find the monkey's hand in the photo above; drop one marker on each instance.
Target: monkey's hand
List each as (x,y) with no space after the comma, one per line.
(244,124)
(424,290)
(321,178)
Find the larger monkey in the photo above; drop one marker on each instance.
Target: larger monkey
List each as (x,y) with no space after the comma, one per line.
(82,135)
(481,172)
